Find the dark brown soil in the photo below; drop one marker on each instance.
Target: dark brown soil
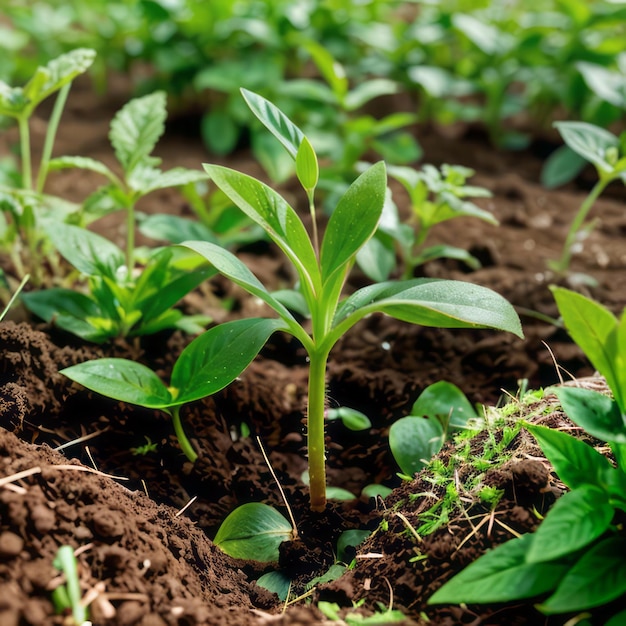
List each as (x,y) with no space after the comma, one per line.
(143,525)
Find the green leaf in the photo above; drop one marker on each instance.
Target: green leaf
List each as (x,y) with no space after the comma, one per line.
(220,132)
(230,266)
(88,252)
(121,379)
(598,414)
(377,257)
(253,531)
(272,212)
(576,463)
(215,358)
(361,94)
(432,302)
(619,619)
(589,141)
(597,578)
(335,571)
(289,135)
(576,519)
(85,163)
(136,128)
(174,228)
(350,539)
(354,220)
(352,419)
(414,441)
(332,71)
(276,582)
(307,168)
(446,402)
(500,575)
(562,166)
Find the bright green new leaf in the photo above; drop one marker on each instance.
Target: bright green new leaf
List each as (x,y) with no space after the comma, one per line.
(576,519)
(272,212)
(590,141)
(307,168)
(500,575)
(215,358)
(121,379)
(575,462)
(354,220)
(590,325)
(275,121)
(136,128)
(88,252)
(253,531)
(414,441)
(598,414)
(446,402)
(352,419)
(597,578)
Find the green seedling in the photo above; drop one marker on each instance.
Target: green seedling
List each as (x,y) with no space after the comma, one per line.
(575,560)
(323,265)
(608,155)
(118,303)
(209,363)
(67,596)
(26,203)
(134,133)
(440,409)
(436,196)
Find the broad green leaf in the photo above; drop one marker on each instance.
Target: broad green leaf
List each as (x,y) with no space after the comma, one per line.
(276,582)
(351,418)
(85,163)
(176,177)
(307,168)
(432,302)
(607,84)
(272,212)
(350,539)
(361,94)
(88,252)
(289,135)
(377,257)
(354,220)
(444,400)
(590,141)
(70,310)
(562,166)
(597,578)
(575,462)
(414,441)
(500,575)
(121,379)
(576,519)
(485,36)
(174,228)
(136,128)
(598,414)
(253,531)
(214,359)
(591,326)
(230,266)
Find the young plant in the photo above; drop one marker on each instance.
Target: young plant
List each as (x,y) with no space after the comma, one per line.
(67,596)
(134,133)
(575,559)
(608,154)
(118,303)
(209,363)
(26,203)
(436,196)
(323,265)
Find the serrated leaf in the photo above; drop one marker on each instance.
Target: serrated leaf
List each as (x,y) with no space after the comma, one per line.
(277,218)
(88,252)
(414,441)
(121,379)
(214,359)
(598,414)
(354,220)
(576,519)
(589,141)
(136,128)
(575,462)
(289,135)
(597,578)
(500,575)
(253,531)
